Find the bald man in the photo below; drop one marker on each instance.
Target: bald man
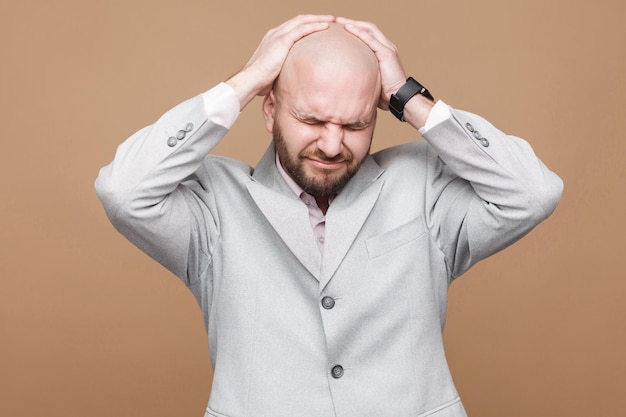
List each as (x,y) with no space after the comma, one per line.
(322,273)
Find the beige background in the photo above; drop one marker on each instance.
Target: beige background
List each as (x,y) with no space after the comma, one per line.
(89,326)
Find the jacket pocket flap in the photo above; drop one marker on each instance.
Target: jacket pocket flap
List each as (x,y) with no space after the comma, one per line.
(395,238)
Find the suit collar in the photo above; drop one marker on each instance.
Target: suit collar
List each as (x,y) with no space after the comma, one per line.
(267,174)
(347,214)
(289,216)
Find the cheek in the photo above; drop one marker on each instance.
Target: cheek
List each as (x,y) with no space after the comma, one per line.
(358,143)
(299,136)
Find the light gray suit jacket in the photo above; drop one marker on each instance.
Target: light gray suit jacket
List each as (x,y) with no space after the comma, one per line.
(414,218)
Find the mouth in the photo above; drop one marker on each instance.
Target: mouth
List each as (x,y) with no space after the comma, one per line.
(321,164)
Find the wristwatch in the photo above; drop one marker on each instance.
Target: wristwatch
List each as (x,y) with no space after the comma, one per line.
(404,94)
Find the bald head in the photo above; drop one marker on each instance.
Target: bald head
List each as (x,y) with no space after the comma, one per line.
(333,47)
(333,54)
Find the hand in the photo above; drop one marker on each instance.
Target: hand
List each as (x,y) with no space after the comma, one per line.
(259,74)
(391,71)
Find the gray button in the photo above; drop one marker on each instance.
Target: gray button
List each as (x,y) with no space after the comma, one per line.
(469,127)
(328,302)
(484,142)
(337,371)
(477,134)
(171,141)
(189,127)
(321,239)
(181,134)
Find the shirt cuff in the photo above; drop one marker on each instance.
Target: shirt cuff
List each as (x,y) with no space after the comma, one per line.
(439,113)
(221,105)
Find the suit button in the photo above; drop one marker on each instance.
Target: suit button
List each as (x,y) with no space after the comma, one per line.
(171,141)
(189,127)
(181,134)
(328,302)
(484,142)
(337,371)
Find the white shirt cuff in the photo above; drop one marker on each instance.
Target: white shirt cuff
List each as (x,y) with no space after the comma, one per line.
(439,113)
(221,105)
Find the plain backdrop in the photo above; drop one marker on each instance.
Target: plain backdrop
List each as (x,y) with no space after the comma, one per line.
(89,326)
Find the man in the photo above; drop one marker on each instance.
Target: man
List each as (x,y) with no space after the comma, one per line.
(322,273)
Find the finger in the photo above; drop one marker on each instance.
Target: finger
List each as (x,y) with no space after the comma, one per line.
(371,35)
(302,30)
(295,29)
(366,31)
(300,20)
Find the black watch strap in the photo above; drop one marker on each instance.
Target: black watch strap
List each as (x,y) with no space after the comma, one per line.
(404,94)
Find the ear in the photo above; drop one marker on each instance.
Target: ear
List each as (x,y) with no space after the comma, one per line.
(269,110)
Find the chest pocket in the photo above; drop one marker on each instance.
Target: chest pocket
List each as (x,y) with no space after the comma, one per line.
(395,238)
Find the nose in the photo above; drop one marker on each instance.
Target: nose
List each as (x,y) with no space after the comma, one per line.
(330,140)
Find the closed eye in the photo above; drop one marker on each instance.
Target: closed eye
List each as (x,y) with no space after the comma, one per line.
(308,120)
(356,126)
(312,121)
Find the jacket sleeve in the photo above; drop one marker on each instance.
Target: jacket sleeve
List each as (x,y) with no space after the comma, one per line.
(146,190)
(487,189)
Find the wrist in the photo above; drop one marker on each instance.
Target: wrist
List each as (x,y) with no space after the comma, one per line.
(407,93)
(244,88)
(417,110)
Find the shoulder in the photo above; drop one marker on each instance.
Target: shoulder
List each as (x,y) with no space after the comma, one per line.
(224,163)
(410,154)
(221,170)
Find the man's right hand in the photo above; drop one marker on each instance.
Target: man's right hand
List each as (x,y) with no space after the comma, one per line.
(258,75)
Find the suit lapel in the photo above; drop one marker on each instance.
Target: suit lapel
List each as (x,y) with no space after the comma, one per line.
(285,211)
(347,214)
(290,218)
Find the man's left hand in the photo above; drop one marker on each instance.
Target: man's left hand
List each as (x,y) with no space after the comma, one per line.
(391,71)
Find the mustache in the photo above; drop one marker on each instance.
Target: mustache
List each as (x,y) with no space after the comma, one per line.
(321,156)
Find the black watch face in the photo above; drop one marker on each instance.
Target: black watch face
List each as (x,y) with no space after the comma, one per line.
(394,104)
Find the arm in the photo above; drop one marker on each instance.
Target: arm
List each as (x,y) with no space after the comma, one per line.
(487,189)
(149,190)
(141,189)
(510,190)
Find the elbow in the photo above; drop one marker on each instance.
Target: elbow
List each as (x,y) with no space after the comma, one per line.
(548,196)
(126,204)
(111,196)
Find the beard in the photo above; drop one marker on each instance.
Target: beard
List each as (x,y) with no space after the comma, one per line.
(324,183)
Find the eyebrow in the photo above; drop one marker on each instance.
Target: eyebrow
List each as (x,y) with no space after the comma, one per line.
(359,124)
